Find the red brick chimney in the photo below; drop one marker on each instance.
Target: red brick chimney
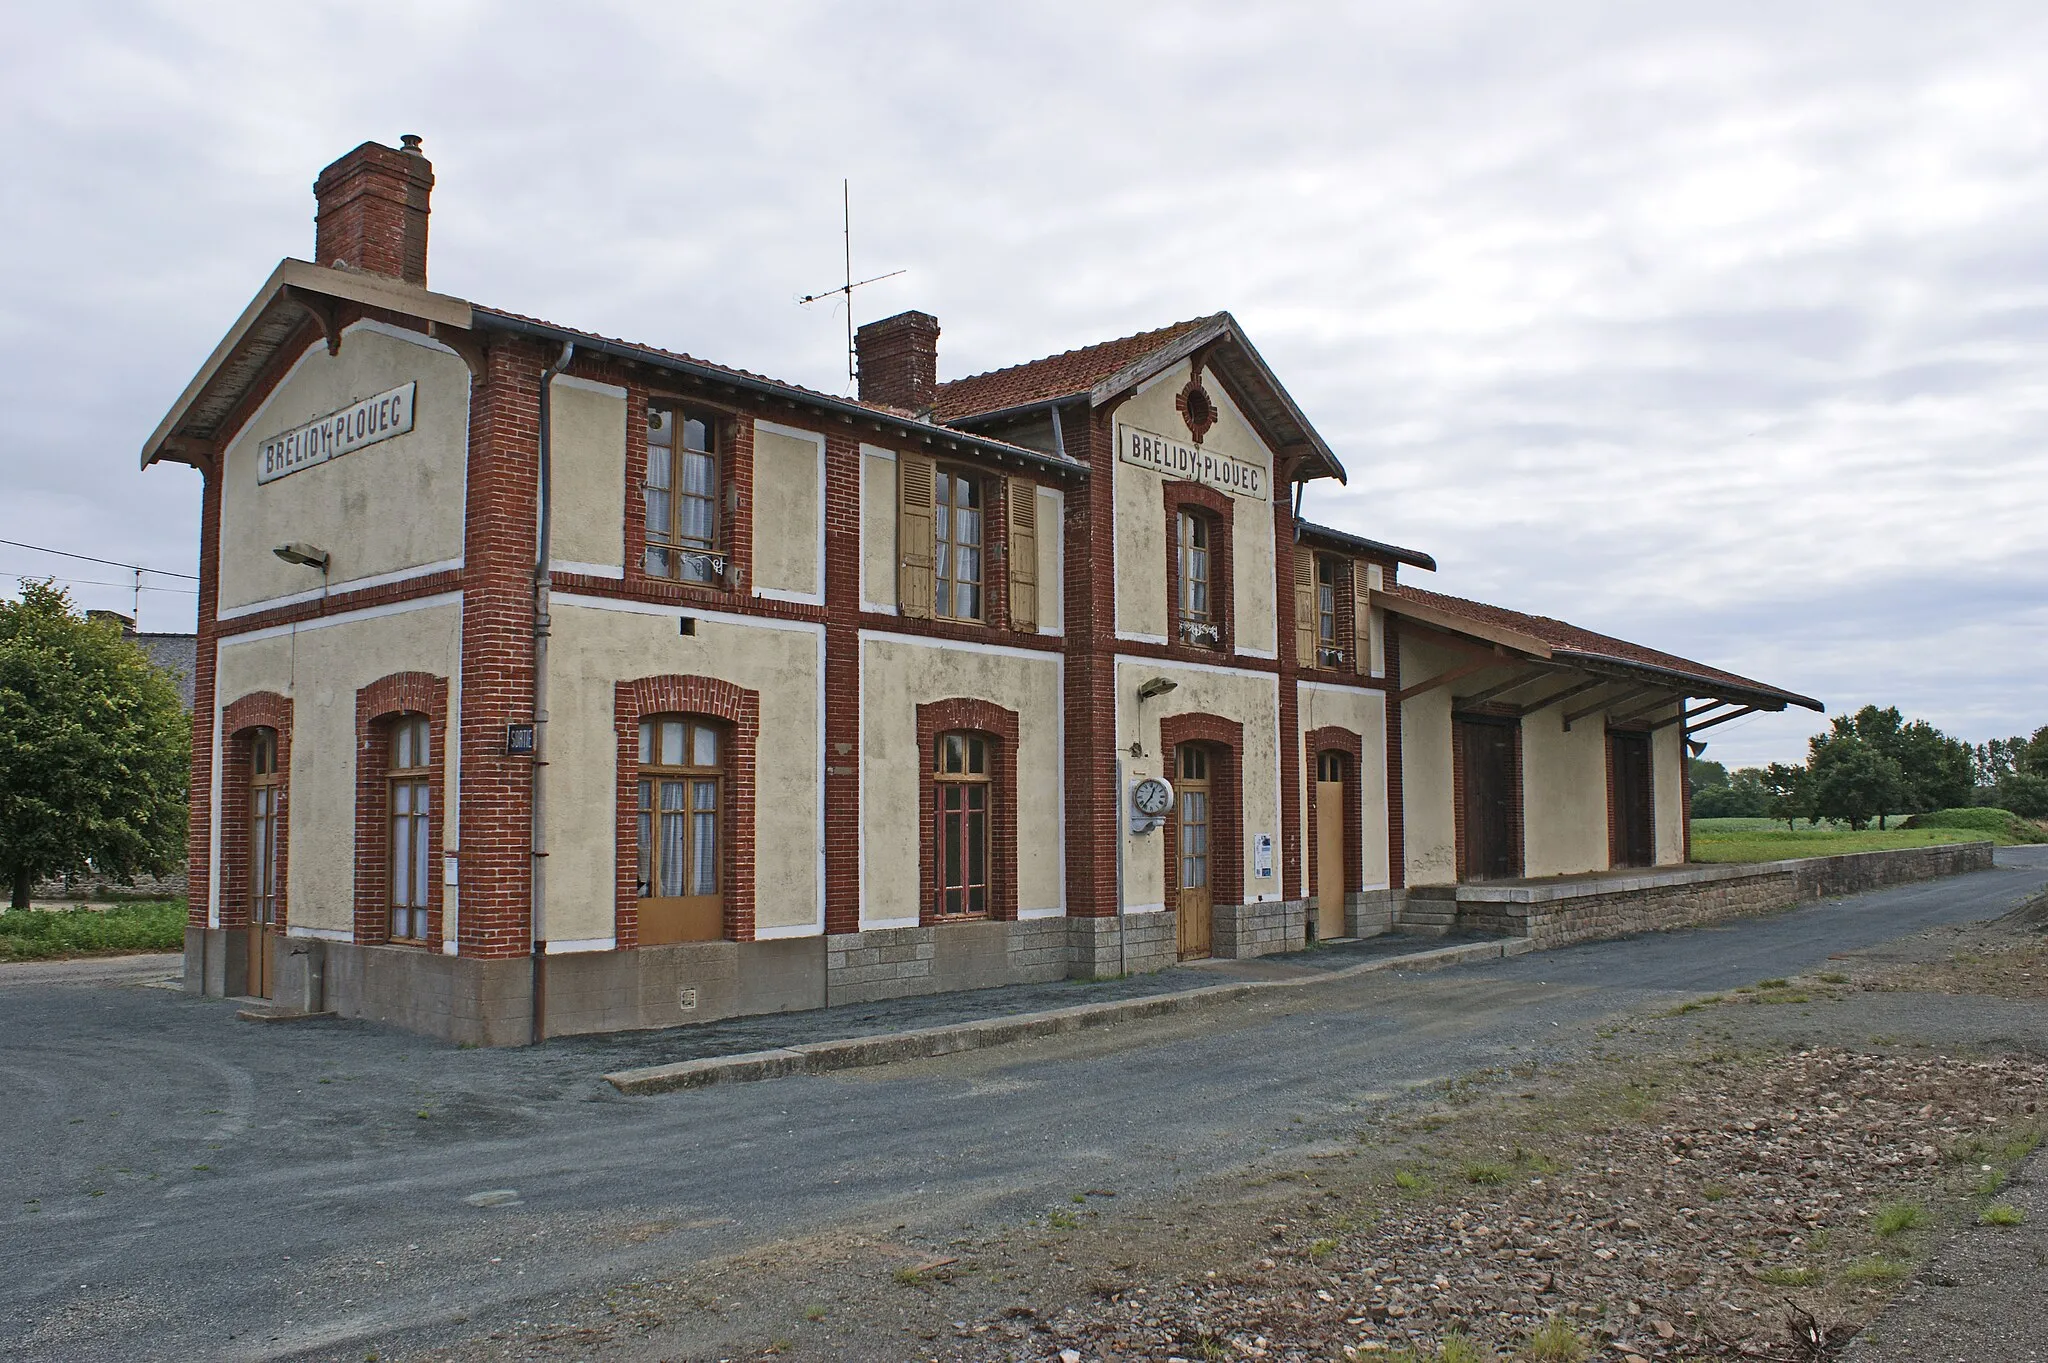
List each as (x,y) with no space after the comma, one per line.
(899,360)
(373,211)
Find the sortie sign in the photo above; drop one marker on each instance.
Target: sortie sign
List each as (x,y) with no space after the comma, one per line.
(1190,463)
(336,434)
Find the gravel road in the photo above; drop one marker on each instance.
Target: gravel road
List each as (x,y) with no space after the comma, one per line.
(177,1183)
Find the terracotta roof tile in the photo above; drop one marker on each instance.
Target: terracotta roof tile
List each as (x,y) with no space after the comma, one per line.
(1056,376)
(1566,638)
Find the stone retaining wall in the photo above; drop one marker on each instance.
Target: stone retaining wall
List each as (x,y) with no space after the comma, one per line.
(1590,908)
(1242,930)
(170,885)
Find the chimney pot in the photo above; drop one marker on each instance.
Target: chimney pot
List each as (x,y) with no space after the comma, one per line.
(899,361)
(373,206)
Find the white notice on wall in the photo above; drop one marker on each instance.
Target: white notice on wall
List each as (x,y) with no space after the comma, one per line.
(337,433)
(1189,463)
(1262,856)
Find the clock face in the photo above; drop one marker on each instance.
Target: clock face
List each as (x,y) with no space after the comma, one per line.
(1153,797)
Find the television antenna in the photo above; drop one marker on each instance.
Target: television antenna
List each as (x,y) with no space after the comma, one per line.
(846,289)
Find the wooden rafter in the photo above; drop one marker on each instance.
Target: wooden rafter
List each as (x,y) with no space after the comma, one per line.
(1638,711)
(1445,678)
(322,309)
(1502,688)
(1706,709)
(1723,719)
(1546,702)
(1574,716)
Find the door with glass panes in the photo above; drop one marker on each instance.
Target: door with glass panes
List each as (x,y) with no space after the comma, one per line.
(265,809)
(682,806)
(1194,900)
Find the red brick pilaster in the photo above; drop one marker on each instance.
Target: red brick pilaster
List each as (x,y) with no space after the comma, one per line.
(841,741)
(1397,794)
(258,710)
(377,705)
(1091,700)
(205,665)
(495,841)
(1331,738)
(739,711)
(1284,548)
(999,726)
(1226,795)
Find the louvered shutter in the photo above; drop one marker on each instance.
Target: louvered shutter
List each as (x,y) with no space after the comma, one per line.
(1020,498)
(1361,617)
(916,482)
(1304,607)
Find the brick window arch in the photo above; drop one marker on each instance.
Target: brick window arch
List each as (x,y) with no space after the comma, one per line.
(998,727)
(240,723)
(1225,737)
(379,708)
(1332,738)
(1193,501)
(736,711)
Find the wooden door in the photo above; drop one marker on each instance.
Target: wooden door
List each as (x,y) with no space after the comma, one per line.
(1194,901)
(1331,880)
(263,812)
(1635,837)
(1489,762)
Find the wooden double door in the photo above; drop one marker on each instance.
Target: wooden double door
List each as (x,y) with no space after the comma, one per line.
(1491,803)
(1635,829)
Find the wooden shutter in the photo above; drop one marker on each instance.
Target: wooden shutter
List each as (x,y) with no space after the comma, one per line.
(916,544)
(1361,618)
(1020,498)
(1304,607)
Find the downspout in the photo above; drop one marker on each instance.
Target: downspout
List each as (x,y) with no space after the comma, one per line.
(542,585)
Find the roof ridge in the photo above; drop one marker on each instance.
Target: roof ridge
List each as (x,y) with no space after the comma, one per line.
(1170,327)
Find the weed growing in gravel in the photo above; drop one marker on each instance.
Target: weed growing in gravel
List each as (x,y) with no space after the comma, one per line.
(1061,1220)
(1410,1183)
(1801,1275)
(1486,1173)
(1322,1249)
(2002,1214)
(1714,1192)
(1989,1182)
(1554,1341)
(1875,1269)
(1832,977)
(1896,1217)
(1458,1347)
(814,1313)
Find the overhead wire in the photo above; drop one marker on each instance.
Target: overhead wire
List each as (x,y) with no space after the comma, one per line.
(109,562)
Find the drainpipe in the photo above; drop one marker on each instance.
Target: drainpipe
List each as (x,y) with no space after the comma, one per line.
(542,585)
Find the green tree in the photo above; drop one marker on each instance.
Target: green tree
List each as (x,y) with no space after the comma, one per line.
(1935,771)
(2034,760)
(1852,781)
(1745,796)
(1706,775)
(95,748)
(1786,792)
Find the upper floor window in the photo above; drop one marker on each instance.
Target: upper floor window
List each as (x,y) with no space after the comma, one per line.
(957,537)
(681,808)
(681,495)
(1329,648)
(1199,623)
(410,803)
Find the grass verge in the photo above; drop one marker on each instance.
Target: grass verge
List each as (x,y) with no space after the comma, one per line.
(120,929)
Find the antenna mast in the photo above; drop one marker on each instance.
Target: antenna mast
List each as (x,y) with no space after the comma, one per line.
(846,289)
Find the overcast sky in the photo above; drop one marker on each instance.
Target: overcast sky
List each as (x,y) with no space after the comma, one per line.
(1723,328)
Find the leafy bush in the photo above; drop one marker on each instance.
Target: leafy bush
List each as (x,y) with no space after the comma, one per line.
(41,934)
(2002,824)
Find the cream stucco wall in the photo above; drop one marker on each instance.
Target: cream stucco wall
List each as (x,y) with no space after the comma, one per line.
(596,647)
(321,668)
(1141,610)
(789,512)
(877,527)
(388,507)
(1564,790)
(898,674)
(1364,713)
(1250,698)
(1667,794)
(1429,828)
(587,446)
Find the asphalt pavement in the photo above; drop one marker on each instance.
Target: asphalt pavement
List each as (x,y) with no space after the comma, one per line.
(176,1183)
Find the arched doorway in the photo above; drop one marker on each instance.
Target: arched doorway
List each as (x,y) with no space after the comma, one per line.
(1333,774)
(1193,819)
(265,781)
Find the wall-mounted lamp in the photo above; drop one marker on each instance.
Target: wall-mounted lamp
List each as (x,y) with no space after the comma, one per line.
(305,555)
(1158,686)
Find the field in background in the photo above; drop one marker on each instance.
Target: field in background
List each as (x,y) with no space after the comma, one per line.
(1732,840)
(117,929)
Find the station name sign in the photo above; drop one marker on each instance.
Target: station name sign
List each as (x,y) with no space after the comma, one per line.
(1190,463)
(337,433)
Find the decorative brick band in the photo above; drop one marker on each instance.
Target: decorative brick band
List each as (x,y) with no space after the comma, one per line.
(239,723)
(1226,785)
(740,712)
(378,706)
(1000,727)
(1332,738)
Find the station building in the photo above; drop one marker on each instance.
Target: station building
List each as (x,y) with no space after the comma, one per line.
(550,683)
